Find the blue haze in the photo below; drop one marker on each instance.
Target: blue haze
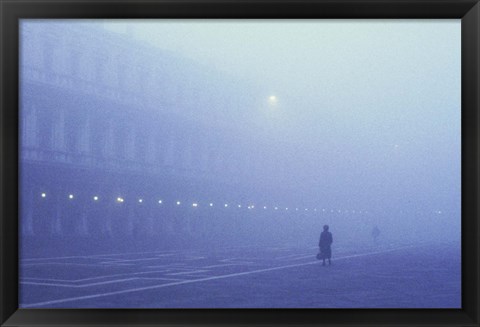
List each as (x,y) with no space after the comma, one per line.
(354,123)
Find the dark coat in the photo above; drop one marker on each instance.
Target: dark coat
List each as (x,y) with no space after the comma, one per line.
(325,242)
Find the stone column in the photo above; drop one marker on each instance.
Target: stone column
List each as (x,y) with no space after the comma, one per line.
(84,141)
(108,149)
(130,143)
(187,221)
(82,228)
(29,132)
(187,156)
(168,222)
(59,135)
(27,212)
(58,215)
(130,220)
(106,228)
(151,148)
(169,153)
(150,228)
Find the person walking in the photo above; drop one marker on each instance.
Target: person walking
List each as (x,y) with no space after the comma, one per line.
(325,243)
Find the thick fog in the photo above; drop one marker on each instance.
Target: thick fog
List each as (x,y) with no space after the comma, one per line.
(292,124)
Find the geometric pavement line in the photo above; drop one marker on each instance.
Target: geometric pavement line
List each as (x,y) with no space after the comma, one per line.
(92,278)
(146,288)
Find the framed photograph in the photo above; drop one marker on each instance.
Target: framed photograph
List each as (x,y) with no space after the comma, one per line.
(239,163)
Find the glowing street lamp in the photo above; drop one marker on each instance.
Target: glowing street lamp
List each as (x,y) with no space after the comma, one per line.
(272,100)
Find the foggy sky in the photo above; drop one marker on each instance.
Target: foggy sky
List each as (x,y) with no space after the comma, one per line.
(375,103)
(366,111)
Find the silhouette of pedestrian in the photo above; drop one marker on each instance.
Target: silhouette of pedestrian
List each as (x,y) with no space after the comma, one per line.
(325,243)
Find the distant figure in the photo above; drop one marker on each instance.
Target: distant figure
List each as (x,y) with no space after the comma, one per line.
(375,234)
(325,243)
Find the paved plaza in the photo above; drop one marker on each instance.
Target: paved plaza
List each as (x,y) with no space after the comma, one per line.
(387,276)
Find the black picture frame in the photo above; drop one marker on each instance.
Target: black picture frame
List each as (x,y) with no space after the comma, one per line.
(13,10)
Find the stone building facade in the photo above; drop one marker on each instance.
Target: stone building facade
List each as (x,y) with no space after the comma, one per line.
(116,139)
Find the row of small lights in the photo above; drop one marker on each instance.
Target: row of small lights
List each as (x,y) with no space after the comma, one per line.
(226,205)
